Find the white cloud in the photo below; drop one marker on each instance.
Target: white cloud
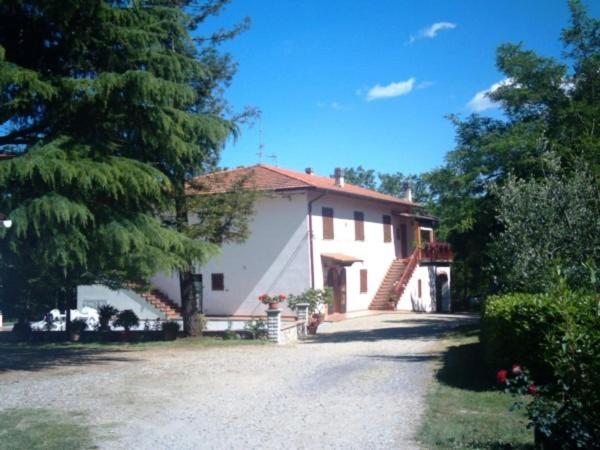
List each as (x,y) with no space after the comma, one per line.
(482,101)
(391,90)
(432,31)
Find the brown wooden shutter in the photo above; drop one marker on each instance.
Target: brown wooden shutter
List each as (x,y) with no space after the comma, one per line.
(359,226)
(387,228)
(364,286)
(327,223)
(217,282)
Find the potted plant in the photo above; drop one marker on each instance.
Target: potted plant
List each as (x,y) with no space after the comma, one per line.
(127,319)
(76,328)
(318,300)
(105,315)
(271,300)
(170,330)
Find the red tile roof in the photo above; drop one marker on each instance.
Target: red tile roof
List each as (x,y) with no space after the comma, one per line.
(269,178)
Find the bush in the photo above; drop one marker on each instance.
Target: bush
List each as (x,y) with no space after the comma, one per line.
(171,326)
(314,297)
(557,336)
(77,326)
(127,319)
(22,329)
(257,328)
(105,315)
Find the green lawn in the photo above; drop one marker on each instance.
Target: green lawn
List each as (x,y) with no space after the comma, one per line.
(42,429)
(464,410)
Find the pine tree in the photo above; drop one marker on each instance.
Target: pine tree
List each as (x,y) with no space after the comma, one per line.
(110,106)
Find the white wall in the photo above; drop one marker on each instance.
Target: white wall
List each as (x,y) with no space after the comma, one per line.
(97,294)
(411,301)
(376,254)
(273,260)
(168,284)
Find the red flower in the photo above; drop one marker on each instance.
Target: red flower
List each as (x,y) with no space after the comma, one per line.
(501,376)
(262,297)
(281,297)
(516,369)
(532,389)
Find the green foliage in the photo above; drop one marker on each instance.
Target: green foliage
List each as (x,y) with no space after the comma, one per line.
(105,314)
(551,108)
(556,336)
(127,319)
(314,297)
(387,183)
(109,107)
(257,328)
(170,326)
(77,326)
(552,219)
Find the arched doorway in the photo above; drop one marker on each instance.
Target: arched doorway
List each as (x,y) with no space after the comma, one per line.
(336,280)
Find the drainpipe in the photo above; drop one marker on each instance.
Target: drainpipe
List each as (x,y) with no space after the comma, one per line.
(310,239)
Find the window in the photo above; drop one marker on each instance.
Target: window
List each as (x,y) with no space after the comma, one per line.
(419,291)
(359,226)
(364,287)
(218,282)
(387,228)
(327,223)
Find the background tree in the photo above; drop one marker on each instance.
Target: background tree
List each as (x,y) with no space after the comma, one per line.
(111,106)
(551,107)
(387,183)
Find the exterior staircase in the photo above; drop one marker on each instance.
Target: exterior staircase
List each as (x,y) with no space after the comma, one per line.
(381,301)
(164,304)
(393,284)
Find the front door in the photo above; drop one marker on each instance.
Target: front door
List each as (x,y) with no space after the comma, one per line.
(337,281)
(403,241)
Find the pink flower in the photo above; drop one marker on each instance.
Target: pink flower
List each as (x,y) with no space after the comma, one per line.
(501,376)
(516,369)
(532,389)
(281,297)
(262,297)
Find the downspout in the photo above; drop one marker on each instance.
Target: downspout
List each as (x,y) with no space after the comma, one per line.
(310,239)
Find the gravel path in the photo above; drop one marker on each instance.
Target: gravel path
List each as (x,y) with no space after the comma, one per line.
(359,384)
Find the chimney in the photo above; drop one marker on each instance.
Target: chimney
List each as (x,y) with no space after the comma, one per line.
(407,191)
(338,174)
(309,171)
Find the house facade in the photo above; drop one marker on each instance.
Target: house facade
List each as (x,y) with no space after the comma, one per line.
(372,249)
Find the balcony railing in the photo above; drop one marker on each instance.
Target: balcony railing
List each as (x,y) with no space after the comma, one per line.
(436,251)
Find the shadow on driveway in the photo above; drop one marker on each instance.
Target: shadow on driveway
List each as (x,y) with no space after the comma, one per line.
(31,357)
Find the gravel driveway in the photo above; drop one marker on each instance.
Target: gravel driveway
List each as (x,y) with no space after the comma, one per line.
(359,384)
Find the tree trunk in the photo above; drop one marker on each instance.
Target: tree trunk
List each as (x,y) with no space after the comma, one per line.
(189,309)
(70,302)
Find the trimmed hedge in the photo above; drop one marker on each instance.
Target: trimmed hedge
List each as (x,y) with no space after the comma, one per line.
(556,337)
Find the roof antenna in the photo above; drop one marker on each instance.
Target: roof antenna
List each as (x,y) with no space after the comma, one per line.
(261,145)
(274,158)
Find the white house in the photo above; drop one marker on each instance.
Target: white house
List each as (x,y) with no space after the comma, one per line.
(373,249)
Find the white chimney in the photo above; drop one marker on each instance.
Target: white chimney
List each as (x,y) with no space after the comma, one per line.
(338,174)
(407,191)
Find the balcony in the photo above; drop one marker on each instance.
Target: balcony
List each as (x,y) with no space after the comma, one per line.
(436,252)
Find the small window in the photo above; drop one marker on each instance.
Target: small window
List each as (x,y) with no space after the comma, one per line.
(359,226)
(419,291)
(387,228)
(364,287)
(327,214)
(218,282)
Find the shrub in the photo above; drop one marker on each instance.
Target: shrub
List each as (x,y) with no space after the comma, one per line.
(557,336)
(105,315)
(22,329)
(127,319)
(257,328)
(77,326)
(314,297)
(171,326)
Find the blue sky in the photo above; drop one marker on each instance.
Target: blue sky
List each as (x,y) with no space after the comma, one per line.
(348,83)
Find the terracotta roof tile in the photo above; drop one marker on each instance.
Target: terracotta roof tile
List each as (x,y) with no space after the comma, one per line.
(269,178)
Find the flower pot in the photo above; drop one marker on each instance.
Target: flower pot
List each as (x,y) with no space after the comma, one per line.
(274,305)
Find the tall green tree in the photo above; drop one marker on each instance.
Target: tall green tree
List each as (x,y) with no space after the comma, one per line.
(111,106)
(551,107)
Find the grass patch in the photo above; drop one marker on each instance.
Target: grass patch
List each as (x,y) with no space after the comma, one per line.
(43,429)
(464,410)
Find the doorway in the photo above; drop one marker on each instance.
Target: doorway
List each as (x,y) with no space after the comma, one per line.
(441,291)
(336,280)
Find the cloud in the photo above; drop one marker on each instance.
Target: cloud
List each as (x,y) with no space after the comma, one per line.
(336,106)
(482,101)
(391,90)
(432,31)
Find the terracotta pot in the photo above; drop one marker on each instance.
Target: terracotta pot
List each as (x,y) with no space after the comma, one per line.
(274,305)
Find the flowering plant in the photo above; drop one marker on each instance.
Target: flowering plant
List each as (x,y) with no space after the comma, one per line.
(266,299)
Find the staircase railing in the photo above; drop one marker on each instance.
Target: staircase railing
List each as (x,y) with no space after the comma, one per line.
(400,286)
(436,251)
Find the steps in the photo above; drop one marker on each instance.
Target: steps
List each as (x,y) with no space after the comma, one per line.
(164,304)
(386,289)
